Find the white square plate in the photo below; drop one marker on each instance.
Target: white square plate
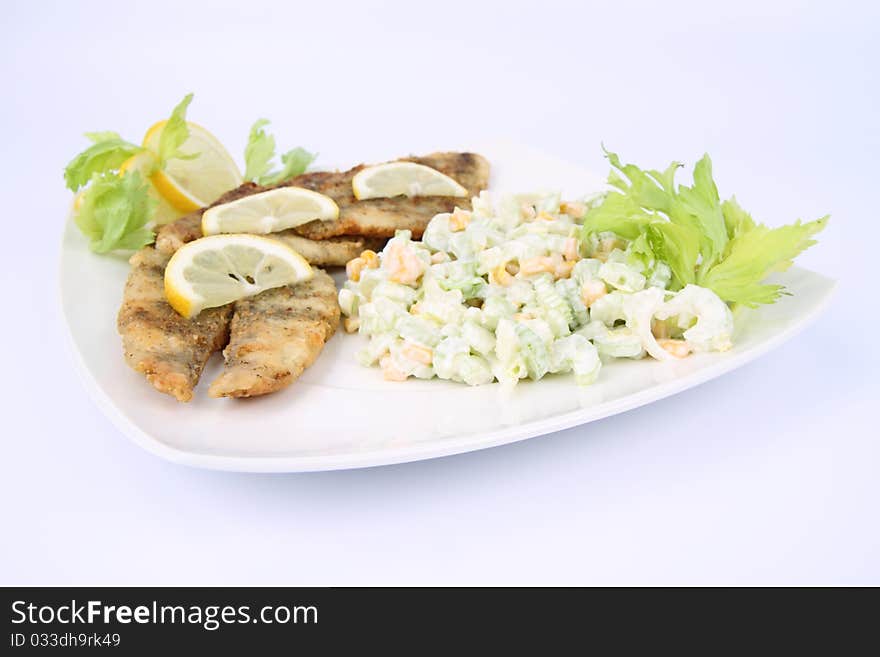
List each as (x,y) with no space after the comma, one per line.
(340,415)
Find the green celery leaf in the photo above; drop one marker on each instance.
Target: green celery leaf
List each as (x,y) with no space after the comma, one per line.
(136,239)
(704,206)
(115,211)
(293,163)
(175,133)
(666,179)
(259,151)
(619,214)
(677,246)
(640,253)
(717,245)
(104,135)
(736,220)
(642,188)
(753,255)
(101,157)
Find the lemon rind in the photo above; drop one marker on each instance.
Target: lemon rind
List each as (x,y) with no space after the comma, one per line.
(209,225)
(183,298)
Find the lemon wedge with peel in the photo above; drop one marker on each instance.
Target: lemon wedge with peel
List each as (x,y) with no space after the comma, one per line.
(403,179)
(216,270)
(268,212)
(190,184)
(145,163)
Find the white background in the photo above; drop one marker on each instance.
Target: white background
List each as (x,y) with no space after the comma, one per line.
(768,475)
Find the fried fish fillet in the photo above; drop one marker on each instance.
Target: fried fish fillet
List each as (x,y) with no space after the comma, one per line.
(332,252)
(172,236)
(160,344)
(276,335)
(371,218)
(380,217)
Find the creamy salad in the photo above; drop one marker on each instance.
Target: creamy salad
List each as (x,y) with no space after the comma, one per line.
(517,290)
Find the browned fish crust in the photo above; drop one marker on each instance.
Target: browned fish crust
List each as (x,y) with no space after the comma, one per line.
(370,218)
(166,348)
(171,237)
(332,252)
(276,335)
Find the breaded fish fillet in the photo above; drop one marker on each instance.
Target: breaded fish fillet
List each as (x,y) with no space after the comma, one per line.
(275,335)
(374,217)
(169,350)
(172,236)
(332,252)
(382,216)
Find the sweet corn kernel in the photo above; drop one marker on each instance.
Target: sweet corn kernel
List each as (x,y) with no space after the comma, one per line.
(563,269)
(573,209)
(351,324)
(660,329)
(354,268)
(677,348)
(459,220)
(500,276)
(370,259)
(537,265)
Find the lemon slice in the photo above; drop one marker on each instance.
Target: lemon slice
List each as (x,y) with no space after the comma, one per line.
(403,179)
(192,184)
(213,271)
(269,212)
(145,163)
